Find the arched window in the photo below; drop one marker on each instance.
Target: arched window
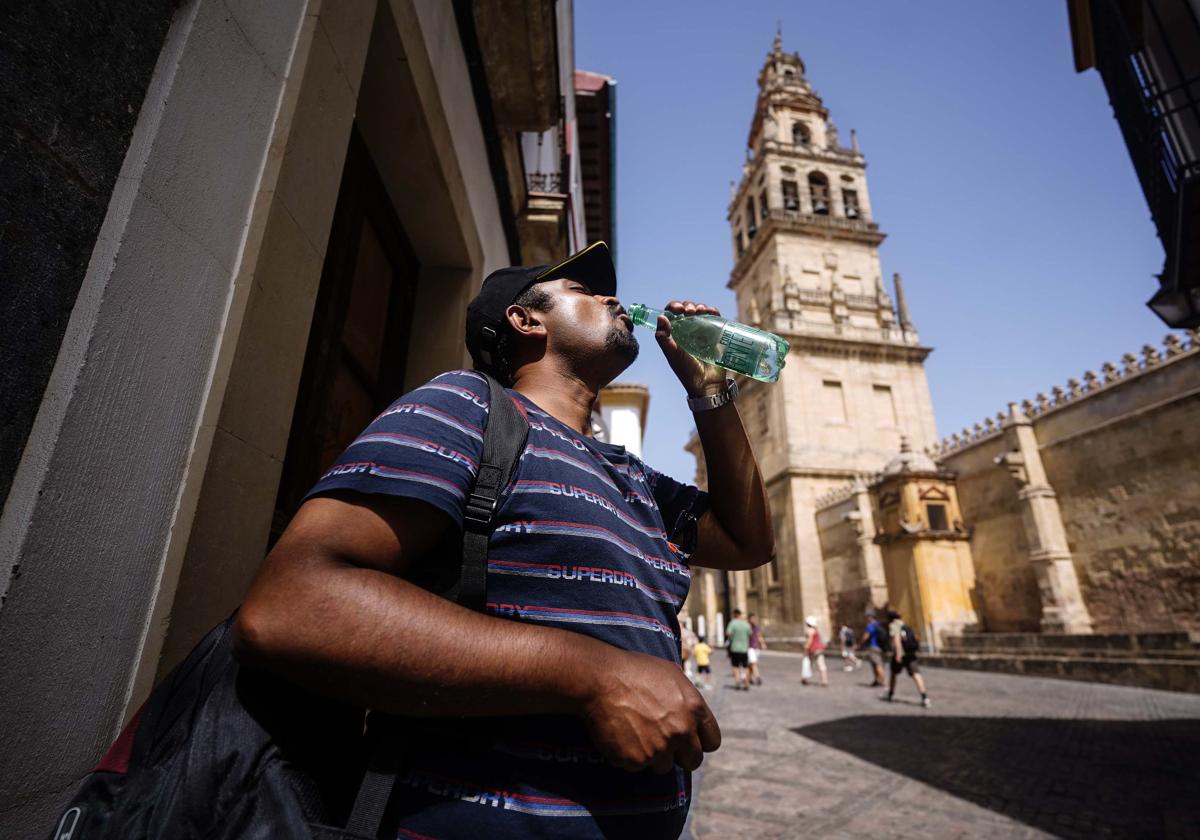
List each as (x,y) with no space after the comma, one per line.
(850,203)
(791,195)
(800,134)
(818,190)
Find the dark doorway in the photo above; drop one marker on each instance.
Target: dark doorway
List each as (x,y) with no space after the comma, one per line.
(358,343)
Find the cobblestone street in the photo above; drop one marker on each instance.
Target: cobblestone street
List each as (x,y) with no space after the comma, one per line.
(997,756)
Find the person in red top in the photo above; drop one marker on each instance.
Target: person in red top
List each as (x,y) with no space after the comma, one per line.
(814,650)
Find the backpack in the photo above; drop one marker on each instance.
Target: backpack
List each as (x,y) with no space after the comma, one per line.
(909,641)
(225,753)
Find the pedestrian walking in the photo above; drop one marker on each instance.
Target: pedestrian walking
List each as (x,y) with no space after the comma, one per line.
(757,643)
(903,647)
(814,652)
(570,658)
(872,644)
(738,633)
(702,651)
(849,660)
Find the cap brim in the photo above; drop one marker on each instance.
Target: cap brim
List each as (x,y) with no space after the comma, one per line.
(593,266)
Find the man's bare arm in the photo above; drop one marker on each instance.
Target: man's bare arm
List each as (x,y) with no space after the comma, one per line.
(330,611)
(736,531)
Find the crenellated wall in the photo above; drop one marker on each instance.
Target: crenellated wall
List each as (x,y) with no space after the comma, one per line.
(1121,452)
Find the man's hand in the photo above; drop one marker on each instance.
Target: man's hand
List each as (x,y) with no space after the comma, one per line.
(697,377)
(645,713)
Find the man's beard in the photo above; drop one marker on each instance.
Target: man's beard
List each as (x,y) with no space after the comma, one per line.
(621,342)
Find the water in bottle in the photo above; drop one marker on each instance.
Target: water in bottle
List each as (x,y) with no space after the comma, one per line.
(720,341)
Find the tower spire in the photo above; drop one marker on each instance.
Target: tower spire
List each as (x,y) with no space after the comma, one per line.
(906,323)
(777,47)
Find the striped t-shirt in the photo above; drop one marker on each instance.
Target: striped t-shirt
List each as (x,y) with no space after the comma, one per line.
(588,539)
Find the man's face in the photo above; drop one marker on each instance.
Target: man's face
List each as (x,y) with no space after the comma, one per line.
(592,330)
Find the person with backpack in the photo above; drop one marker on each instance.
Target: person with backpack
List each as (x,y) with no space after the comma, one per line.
(561,707)
(872,642)
(904,644)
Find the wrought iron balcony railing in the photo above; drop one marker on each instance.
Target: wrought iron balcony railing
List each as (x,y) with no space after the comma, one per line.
(544,182)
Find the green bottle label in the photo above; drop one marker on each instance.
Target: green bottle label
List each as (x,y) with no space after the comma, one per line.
(741,349)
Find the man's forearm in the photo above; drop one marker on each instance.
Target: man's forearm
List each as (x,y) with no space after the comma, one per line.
(379,641)
(737,496)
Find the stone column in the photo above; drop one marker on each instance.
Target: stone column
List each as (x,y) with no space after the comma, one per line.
(738,584)
(874,578)
(708,581)
(1063,609)
(813,598)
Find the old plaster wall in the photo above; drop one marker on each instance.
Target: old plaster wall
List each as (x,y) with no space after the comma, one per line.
(94,501)
(71,85)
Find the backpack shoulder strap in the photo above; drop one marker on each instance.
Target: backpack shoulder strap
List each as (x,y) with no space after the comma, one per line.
(503,442)
(504,436)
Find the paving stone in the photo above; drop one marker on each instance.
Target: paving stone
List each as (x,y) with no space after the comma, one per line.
(997,756)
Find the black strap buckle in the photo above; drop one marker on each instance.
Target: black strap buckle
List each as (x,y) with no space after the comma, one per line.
(479,513)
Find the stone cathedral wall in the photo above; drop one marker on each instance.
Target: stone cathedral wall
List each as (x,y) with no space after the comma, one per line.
(845,578)
(1122,451)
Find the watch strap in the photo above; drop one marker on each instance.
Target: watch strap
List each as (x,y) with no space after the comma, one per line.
(710,401)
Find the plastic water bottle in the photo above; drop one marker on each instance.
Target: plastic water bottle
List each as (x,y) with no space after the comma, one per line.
(719,341)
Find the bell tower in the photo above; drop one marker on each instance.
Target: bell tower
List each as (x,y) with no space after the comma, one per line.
(806,266)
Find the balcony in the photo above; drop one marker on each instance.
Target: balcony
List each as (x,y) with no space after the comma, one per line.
(858,226)
(544,182)
(542,222)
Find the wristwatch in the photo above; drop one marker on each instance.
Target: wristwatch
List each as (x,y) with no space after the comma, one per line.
(706,403)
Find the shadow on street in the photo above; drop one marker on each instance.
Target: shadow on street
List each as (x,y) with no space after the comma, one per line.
(1072,778)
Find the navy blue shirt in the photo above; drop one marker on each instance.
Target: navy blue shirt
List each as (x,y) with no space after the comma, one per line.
(588,539)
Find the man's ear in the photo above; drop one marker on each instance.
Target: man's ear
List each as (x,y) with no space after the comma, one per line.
(525,321)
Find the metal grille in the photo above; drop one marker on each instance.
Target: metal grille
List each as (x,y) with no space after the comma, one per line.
(1148,54)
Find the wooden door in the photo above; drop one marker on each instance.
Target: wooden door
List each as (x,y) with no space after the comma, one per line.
(357,346)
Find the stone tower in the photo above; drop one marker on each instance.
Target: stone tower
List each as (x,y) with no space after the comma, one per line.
(806,251)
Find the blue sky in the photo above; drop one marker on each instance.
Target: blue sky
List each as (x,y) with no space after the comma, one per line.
(997,171)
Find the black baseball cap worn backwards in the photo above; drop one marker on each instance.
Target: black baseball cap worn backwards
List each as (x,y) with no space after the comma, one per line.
(485,314)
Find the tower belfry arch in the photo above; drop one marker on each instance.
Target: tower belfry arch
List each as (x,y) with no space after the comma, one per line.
(807,266)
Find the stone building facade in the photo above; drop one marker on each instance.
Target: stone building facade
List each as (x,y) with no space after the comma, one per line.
(1084,502)
(245,228)
(807,267)
(1075,513)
